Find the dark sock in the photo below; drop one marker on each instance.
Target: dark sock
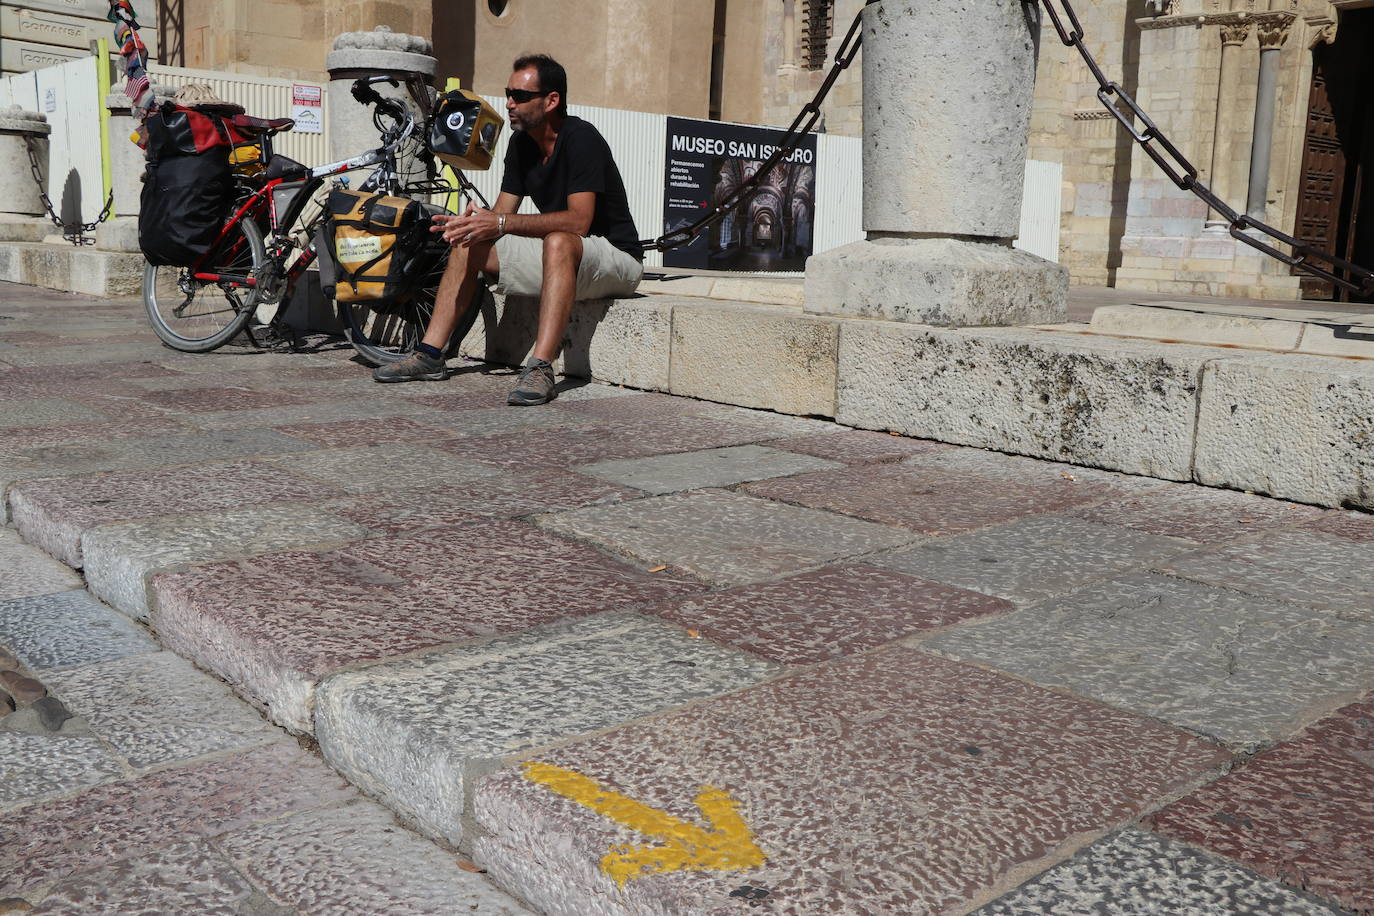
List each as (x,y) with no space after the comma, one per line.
(431,352)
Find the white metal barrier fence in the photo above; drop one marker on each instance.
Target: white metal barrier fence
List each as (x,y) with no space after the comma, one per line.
(69,95)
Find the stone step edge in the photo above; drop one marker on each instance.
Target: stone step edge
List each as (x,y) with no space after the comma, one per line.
(69,269)
(1212,415)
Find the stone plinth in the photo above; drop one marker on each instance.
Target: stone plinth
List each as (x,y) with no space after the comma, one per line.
(946,115)
(358,54)
(937,281)
(22,217)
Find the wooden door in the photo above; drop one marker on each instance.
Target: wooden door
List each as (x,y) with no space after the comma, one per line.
(1324,168)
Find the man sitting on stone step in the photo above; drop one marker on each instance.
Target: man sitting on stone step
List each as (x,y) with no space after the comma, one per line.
(581,245)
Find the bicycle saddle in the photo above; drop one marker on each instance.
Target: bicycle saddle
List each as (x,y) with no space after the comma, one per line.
(260,125)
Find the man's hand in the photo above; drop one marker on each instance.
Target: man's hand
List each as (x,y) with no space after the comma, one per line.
(475,225)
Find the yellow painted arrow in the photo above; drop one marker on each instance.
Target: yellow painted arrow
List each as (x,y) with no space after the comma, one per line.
(727,846)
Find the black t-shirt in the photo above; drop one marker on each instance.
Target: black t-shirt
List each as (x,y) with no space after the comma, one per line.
(581,161)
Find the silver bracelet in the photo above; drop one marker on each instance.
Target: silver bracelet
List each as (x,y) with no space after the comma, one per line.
(500,225)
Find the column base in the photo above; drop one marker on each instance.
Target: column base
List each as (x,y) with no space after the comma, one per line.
(118,234)
(939,281)
(19,227)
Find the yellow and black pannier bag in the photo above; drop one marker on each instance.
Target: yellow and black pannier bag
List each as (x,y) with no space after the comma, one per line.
(372,240)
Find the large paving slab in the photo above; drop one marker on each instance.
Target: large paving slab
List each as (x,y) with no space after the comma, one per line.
(153,452)
(156,708)
(566,447)
(503,495)
(382,467)
(1135,873)
(47,412)
(416,733)
(719,467)
(29,571)
(48,842)
(183,878)
(20,439)
(1302,812)
(725,538)
(1243,669)
(1315,569)
(828,612)
(119,559)
(272,626)
(1352,525)
(68,629)
(895,782)
(1201,514)
(1035,558)
(857,446)
(928,500)
(42,766)
(54,514)
(354,859)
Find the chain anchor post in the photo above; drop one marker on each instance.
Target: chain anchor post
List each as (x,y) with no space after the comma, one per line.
(946,127)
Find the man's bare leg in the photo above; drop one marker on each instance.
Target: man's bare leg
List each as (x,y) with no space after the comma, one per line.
(562,257)
(456,289)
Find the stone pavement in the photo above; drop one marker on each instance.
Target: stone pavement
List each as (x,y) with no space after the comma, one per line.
(632,653)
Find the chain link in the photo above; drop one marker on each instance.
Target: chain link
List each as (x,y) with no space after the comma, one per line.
(76,233)
(1184,174)
(802,125)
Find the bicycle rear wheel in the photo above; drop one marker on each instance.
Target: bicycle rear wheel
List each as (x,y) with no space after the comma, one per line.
(385,335)
(197,316)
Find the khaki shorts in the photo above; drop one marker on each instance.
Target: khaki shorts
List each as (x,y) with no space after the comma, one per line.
(605,272)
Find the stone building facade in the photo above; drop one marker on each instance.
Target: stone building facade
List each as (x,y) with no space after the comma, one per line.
(1265,97)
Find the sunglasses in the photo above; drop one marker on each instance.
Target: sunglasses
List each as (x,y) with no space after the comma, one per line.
(522,96)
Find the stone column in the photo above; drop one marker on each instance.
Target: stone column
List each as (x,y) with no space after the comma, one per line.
(947,102)
(1225,134)
(22,215)
(378,52)
(1273,32)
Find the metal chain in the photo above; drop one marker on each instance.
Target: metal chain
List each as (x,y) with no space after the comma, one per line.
(801,125)
(76,232)
(1184,174)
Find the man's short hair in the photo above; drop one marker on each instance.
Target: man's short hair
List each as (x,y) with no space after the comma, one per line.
(552,76)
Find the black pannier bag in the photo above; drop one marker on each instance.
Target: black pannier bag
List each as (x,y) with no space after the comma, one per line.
(187,187)
(376,249)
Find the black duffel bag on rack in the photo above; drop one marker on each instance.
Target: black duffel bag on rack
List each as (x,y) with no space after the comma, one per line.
(187,187)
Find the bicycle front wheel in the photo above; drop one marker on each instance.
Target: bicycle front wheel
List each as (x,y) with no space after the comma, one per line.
(197,316)
(385,335)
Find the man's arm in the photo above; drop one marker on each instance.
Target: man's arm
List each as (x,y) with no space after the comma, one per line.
(479,225)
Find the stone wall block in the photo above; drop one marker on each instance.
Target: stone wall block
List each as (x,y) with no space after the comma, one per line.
(621,341)
(1296,427)
(1117,404)
(775,358)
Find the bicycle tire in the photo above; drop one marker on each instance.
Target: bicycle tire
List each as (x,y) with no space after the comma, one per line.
(197,317)
(388,334)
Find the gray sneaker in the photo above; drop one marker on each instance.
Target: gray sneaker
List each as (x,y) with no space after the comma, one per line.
(417,367)
(536,385)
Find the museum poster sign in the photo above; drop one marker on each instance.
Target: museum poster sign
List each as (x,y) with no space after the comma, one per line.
(705,162)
